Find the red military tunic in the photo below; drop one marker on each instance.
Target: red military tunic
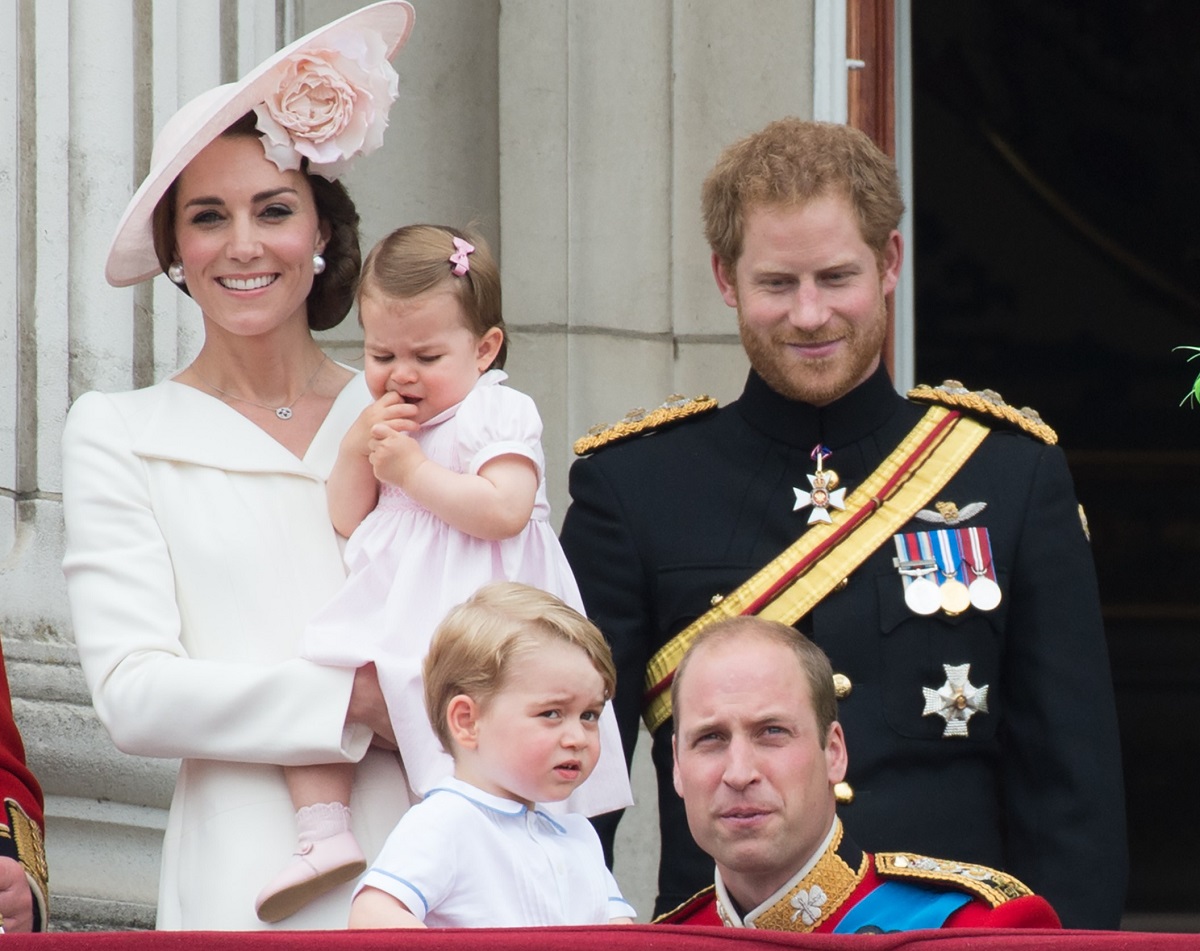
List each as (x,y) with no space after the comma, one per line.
(22,821)
(850,891)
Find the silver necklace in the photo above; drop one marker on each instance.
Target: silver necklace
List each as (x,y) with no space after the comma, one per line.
(283,412)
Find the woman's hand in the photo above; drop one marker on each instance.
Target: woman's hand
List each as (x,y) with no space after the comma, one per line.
(368,706)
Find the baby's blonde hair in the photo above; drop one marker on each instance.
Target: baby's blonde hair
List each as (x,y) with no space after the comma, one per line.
(474,646)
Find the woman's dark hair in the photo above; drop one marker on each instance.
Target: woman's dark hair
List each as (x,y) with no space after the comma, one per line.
(332,293)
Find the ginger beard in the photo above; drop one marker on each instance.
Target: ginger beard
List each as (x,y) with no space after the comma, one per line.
(820,380)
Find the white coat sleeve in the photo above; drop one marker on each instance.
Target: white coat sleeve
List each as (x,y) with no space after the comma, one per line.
(153,698)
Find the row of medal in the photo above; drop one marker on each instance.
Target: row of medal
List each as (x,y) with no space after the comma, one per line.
(947,570)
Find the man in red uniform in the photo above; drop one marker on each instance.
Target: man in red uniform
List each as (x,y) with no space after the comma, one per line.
(758,751)
(23,876)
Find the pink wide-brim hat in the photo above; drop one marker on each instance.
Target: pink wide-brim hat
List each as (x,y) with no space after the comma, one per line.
(131,257)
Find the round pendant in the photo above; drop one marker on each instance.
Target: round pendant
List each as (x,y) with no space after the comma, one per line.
(284,412)
(985,593)
(922,596)
(954,596)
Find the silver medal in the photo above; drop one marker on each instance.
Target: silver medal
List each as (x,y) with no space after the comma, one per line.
(922,596)
(985,593)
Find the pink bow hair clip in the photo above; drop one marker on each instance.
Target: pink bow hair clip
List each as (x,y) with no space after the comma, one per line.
(459,257)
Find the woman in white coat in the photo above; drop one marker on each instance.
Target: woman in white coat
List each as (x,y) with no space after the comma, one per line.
(198,538)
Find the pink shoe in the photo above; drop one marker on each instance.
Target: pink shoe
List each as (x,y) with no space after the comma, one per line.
(315,868)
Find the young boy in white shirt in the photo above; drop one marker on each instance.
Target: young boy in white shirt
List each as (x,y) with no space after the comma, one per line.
(515,681)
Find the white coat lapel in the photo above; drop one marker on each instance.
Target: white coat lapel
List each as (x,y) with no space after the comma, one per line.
(190,427)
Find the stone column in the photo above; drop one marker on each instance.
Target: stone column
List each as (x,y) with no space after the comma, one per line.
(610,116)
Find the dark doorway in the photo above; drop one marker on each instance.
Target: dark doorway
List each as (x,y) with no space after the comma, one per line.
(1057,252)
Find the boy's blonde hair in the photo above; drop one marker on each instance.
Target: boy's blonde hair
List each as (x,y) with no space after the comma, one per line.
(416,258)
(473,648)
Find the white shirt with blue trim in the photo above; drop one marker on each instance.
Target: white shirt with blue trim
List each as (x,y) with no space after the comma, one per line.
(465,858)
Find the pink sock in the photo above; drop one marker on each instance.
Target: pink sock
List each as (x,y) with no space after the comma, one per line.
(321,821)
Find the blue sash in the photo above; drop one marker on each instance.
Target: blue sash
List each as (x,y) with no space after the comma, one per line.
(899,906)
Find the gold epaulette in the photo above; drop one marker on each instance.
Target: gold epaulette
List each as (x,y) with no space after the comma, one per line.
(638,421)
(989,403)
(993,886)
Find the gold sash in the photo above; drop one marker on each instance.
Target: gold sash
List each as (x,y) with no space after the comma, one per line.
(907,480)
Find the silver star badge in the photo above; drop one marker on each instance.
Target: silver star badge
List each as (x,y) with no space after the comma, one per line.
(825,491)
(957,700)
(821,498)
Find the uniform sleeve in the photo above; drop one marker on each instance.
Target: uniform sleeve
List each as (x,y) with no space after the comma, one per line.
(496,421)
(22,822)
(1062,779)
(1028,911)
(153,698)
(604,557)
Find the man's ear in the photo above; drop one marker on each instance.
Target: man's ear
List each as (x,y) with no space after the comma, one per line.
(726,281)
(891,259)
(462,719)
(836,759)
(675,765)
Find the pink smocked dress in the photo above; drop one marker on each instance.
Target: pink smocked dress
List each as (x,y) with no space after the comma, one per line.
(408,568)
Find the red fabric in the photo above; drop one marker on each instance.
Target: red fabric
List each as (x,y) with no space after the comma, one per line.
(1031,911)
(16,781)
(601,938)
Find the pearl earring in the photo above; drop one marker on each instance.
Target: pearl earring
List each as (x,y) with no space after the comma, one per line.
(318,264)
(175,273)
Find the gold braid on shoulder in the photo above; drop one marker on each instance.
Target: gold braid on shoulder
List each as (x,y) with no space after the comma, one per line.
(991,885)
(639,421)
(986,403)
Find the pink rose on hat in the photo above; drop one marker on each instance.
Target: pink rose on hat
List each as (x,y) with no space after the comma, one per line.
(330,104)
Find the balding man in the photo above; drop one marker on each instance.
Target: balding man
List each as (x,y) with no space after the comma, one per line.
(758,751)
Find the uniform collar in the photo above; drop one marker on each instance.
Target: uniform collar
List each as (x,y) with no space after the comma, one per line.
(847,420)
(811,896)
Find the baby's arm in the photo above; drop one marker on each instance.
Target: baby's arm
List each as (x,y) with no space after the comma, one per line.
(352,489)
(373,908)
(497,503)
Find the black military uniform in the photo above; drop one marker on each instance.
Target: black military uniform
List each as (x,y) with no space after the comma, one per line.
(662,523)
